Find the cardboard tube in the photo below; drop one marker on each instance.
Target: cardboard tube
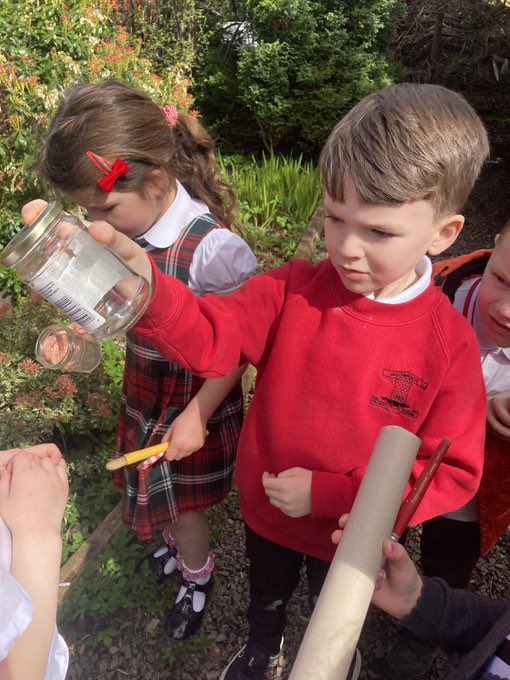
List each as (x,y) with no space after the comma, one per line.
(335,626)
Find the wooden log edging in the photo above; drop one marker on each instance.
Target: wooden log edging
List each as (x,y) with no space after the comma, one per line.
(95,543)
(102,535)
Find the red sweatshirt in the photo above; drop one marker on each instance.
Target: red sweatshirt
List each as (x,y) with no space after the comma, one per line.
(333,367)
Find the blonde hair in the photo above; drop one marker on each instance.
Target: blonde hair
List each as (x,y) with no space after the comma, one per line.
(115,120)
(407,142)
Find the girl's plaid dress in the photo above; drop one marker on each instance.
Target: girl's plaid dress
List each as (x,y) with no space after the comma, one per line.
(155,392)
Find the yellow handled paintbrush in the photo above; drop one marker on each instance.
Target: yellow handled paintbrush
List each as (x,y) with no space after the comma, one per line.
(136,456)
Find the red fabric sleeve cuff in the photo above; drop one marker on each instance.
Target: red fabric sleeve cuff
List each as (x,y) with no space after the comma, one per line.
(333,493)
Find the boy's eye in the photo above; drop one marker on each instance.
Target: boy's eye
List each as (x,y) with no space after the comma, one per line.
(334,219)
(501,280)
(382,234)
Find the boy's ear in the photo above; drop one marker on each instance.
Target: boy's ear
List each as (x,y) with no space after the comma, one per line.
(448,230)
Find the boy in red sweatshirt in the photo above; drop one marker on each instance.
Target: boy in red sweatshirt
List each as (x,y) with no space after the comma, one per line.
(342,348)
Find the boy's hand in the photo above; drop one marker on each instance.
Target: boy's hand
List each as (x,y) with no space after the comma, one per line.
(398,585)
(28,214)
(186,435)
(290,491)
(103,233)
(122,246)
(33,494)
(498,414)
(30,210)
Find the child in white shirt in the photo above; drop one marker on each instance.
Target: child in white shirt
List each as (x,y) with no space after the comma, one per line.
(33,494)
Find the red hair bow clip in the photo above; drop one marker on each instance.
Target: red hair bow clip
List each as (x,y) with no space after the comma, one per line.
(170,115)
(111,172)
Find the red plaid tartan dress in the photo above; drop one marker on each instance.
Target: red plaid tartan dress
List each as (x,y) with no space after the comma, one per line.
(154,393)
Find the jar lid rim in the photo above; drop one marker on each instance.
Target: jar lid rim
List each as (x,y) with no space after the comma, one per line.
(28,235)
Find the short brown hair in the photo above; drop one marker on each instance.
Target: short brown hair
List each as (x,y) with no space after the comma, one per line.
(407,142)
(115,120)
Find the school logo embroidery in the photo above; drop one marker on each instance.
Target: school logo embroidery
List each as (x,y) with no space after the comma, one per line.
(397,401)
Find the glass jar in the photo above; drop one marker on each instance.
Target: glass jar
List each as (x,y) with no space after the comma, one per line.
(57,258)
(64,349)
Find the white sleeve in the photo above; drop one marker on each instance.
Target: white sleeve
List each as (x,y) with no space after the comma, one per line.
(58,659)
(15,614)
(15,611)
(221,263)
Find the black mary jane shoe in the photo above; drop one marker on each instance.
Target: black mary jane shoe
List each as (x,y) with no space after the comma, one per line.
(182,621)
(157,564)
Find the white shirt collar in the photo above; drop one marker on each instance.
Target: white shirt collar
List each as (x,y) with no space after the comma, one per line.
(183,210)
(424,272)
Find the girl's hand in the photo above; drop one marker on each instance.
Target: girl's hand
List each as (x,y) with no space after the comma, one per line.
(398,585)
(186,435)
(290,491)
(33,494)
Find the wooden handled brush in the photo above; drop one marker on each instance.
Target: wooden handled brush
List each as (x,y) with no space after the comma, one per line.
(136,456)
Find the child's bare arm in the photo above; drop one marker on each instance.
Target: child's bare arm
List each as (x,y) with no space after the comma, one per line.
(33,493)
(498,414)
(187,432)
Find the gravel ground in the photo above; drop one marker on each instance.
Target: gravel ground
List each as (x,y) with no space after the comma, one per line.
(143,652)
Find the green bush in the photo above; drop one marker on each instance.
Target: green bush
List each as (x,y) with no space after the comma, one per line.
(282,72)
(39,404)
(44,48)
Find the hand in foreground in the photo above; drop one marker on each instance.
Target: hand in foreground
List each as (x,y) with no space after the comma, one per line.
(33,494)
(30,210)
(290,491)
(186,435)
(398,585)
(123,246)
(498,414)
(104,233)
(38,451)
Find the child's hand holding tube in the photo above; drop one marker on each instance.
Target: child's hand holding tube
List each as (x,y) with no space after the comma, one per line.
(398,585)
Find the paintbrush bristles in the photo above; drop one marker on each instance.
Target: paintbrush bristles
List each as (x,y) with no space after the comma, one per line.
(116,463)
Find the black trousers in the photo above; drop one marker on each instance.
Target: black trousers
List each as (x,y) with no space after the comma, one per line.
(274,573)
(450,550)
